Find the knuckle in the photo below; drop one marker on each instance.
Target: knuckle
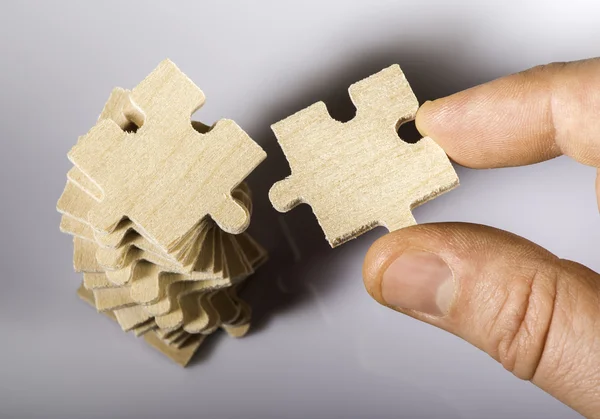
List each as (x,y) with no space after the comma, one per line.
(521,323)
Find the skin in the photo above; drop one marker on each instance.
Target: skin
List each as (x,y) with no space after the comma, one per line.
(537,314)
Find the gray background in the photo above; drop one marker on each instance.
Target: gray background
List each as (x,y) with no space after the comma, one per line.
(320,346)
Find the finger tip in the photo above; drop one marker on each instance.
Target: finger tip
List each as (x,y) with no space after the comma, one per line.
(372,267)
(379,256)
(424,117)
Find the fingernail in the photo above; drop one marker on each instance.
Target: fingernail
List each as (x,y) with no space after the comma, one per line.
(419,280)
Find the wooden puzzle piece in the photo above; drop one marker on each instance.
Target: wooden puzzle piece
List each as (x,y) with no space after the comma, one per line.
(161,291)
(84,256)
(79,179)
(178,301)
(134,246)
(75,204)
(111,299)
(72,202)
(119,109)
(163,333)
(153,290)
(144,328)
(77,182)
(239,326)
(138,264)
(169,301)
(149,288)
(181,355)
(253,252)
(95,280)
(191,325)
(183,340)
(76,228)
(200,311)
(185,300)
(177,335)
(130,317)
(146,170)
(198,314)
(129,254)
(115,110)
(218,306)
(237,331)
(226,308)
(358,175)
(151,281)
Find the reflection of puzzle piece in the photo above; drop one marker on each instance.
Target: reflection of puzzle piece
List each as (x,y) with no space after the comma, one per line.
(142,172)
(359,174)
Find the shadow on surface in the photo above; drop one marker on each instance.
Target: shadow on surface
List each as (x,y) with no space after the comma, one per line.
(294,240)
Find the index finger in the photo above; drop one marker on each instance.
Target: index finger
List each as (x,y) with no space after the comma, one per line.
(521,119)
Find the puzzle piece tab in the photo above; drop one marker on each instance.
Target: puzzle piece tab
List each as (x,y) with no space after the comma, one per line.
(359,174)
(166,176)
(145,202)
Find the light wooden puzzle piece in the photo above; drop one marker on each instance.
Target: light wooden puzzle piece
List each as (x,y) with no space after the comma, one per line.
(74,204)
(180,354)
(166,176)
(119,103)
(359,174)
(174,281)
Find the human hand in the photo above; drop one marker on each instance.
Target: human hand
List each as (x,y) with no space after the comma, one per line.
(535,313)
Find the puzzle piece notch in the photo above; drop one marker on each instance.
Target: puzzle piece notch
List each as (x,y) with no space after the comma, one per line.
(358,175)
(384,96)
(140,175)
(125,114)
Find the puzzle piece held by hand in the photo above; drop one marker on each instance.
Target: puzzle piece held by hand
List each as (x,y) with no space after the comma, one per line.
(166,176)
(359,174)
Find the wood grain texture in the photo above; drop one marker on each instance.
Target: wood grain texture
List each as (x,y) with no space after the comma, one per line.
(148,202)
(359,174)
(166,176)
(75,203)
(180,355)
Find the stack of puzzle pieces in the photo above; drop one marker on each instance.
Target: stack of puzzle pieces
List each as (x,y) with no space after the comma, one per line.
(158,209)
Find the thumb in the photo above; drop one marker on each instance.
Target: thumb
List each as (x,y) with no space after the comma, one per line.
(536,314)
